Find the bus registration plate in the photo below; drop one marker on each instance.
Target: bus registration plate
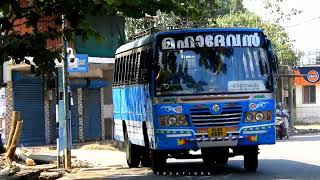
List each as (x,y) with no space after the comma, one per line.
(217,132)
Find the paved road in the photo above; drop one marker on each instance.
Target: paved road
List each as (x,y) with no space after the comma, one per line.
(296,158)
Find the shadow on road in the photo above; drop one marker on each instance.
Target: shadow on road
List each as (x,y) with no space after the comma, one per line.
(268,169)
(303,138)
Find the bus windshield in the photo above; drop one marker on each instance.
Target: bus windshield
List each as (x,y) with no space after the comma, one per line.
(212,71)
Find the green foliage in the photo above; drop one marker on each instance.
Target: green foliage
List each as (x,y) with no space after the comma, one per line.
(279,16)
(17,46)
(276,33)
(195,13)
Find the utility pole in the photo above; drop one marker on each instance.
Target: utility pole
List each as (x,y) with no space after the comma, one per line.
(66,100)
(291,103)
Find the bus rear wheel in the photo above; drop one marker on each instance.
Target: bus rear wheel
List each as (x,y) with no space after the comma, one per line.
(159,160)
(251,160)
(132,153)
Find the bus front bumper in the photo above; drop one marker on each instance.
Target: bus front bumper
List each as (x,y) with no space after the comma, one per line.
(168,139)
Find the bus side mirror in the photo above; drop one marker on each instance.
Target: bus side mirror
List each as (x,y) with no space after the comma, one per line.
(275,68)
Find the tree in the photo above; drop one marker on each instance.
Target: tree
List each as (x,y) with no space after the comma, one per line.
(279,16)
(16,15)
(199,12)
(282,43)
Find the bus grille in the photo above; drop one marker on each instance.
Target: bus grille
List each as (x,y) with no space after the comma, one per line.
(230,115)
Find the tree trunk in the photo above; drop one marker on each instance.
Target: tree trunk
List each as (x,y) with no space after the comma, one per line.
(15,118)
(15,140)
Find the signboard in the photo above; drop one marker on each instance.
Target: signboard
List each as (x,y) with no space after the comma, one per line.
(313,76)
(191,41)
(2,102)
(78,64)
(240,86)
(309,76)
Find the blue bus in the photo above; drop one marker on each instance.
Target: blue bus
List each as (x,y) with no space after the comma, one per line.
(208,89)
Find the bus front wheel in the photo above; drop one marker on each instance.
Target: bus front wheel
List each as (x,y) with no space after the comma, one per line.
(132,153)
(159,160)
(251,160)
(146,157)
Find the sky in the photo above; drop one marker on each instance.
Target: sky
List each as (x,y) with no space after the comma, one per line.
(303,28)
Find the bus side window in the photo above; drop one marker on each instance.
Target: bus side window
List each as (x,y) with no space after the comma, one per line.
(141,66)
(147,66)
(129,70)
(137,64)
(125,65)
(123,70)
(128,65)
(133,64)
(133,67)
(119,70)
(115,80)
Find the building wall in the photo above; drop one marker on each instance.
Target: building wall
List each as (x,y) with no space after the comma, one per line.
(307,113)
(307,76)
(108,107)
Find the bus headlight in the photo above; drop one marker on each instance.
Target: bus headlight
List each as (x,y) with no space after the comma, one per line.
(162,121)
(249,116)
(259,116)
(172,120)
(182,120)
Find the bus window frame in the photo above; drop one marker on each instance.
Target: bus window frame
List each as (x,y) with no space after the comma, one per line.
(132,66)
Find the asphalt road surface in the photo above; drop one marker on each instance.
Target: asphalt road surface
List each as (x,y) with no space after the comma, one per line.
(296,158)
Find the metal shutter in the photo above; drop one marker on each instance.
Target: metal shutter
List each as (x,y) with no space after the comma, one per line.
(92,114)
(74,117)
(29,100)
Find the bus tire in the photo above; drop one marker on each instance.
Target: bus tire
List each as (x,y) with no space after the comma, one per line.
(132,153)
(146,157)
(146,154)
(159,160)
(251,160)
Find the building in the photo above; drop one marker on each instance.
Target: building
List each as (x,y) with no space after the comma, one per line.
(307,94)
(35,97)
(311,58)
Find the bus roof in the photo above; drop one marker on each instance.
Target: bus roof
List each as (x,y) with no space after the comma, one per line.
(135,44)
(148,39)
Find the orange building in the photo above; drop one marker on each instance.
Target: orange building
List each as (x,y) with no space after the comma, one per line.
(307,94)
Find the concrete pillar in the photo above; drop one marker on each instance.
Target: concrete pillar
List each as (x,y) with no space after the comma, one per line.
(47,124)
(9,108)
(103,131)
(80,112)
(291,104)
